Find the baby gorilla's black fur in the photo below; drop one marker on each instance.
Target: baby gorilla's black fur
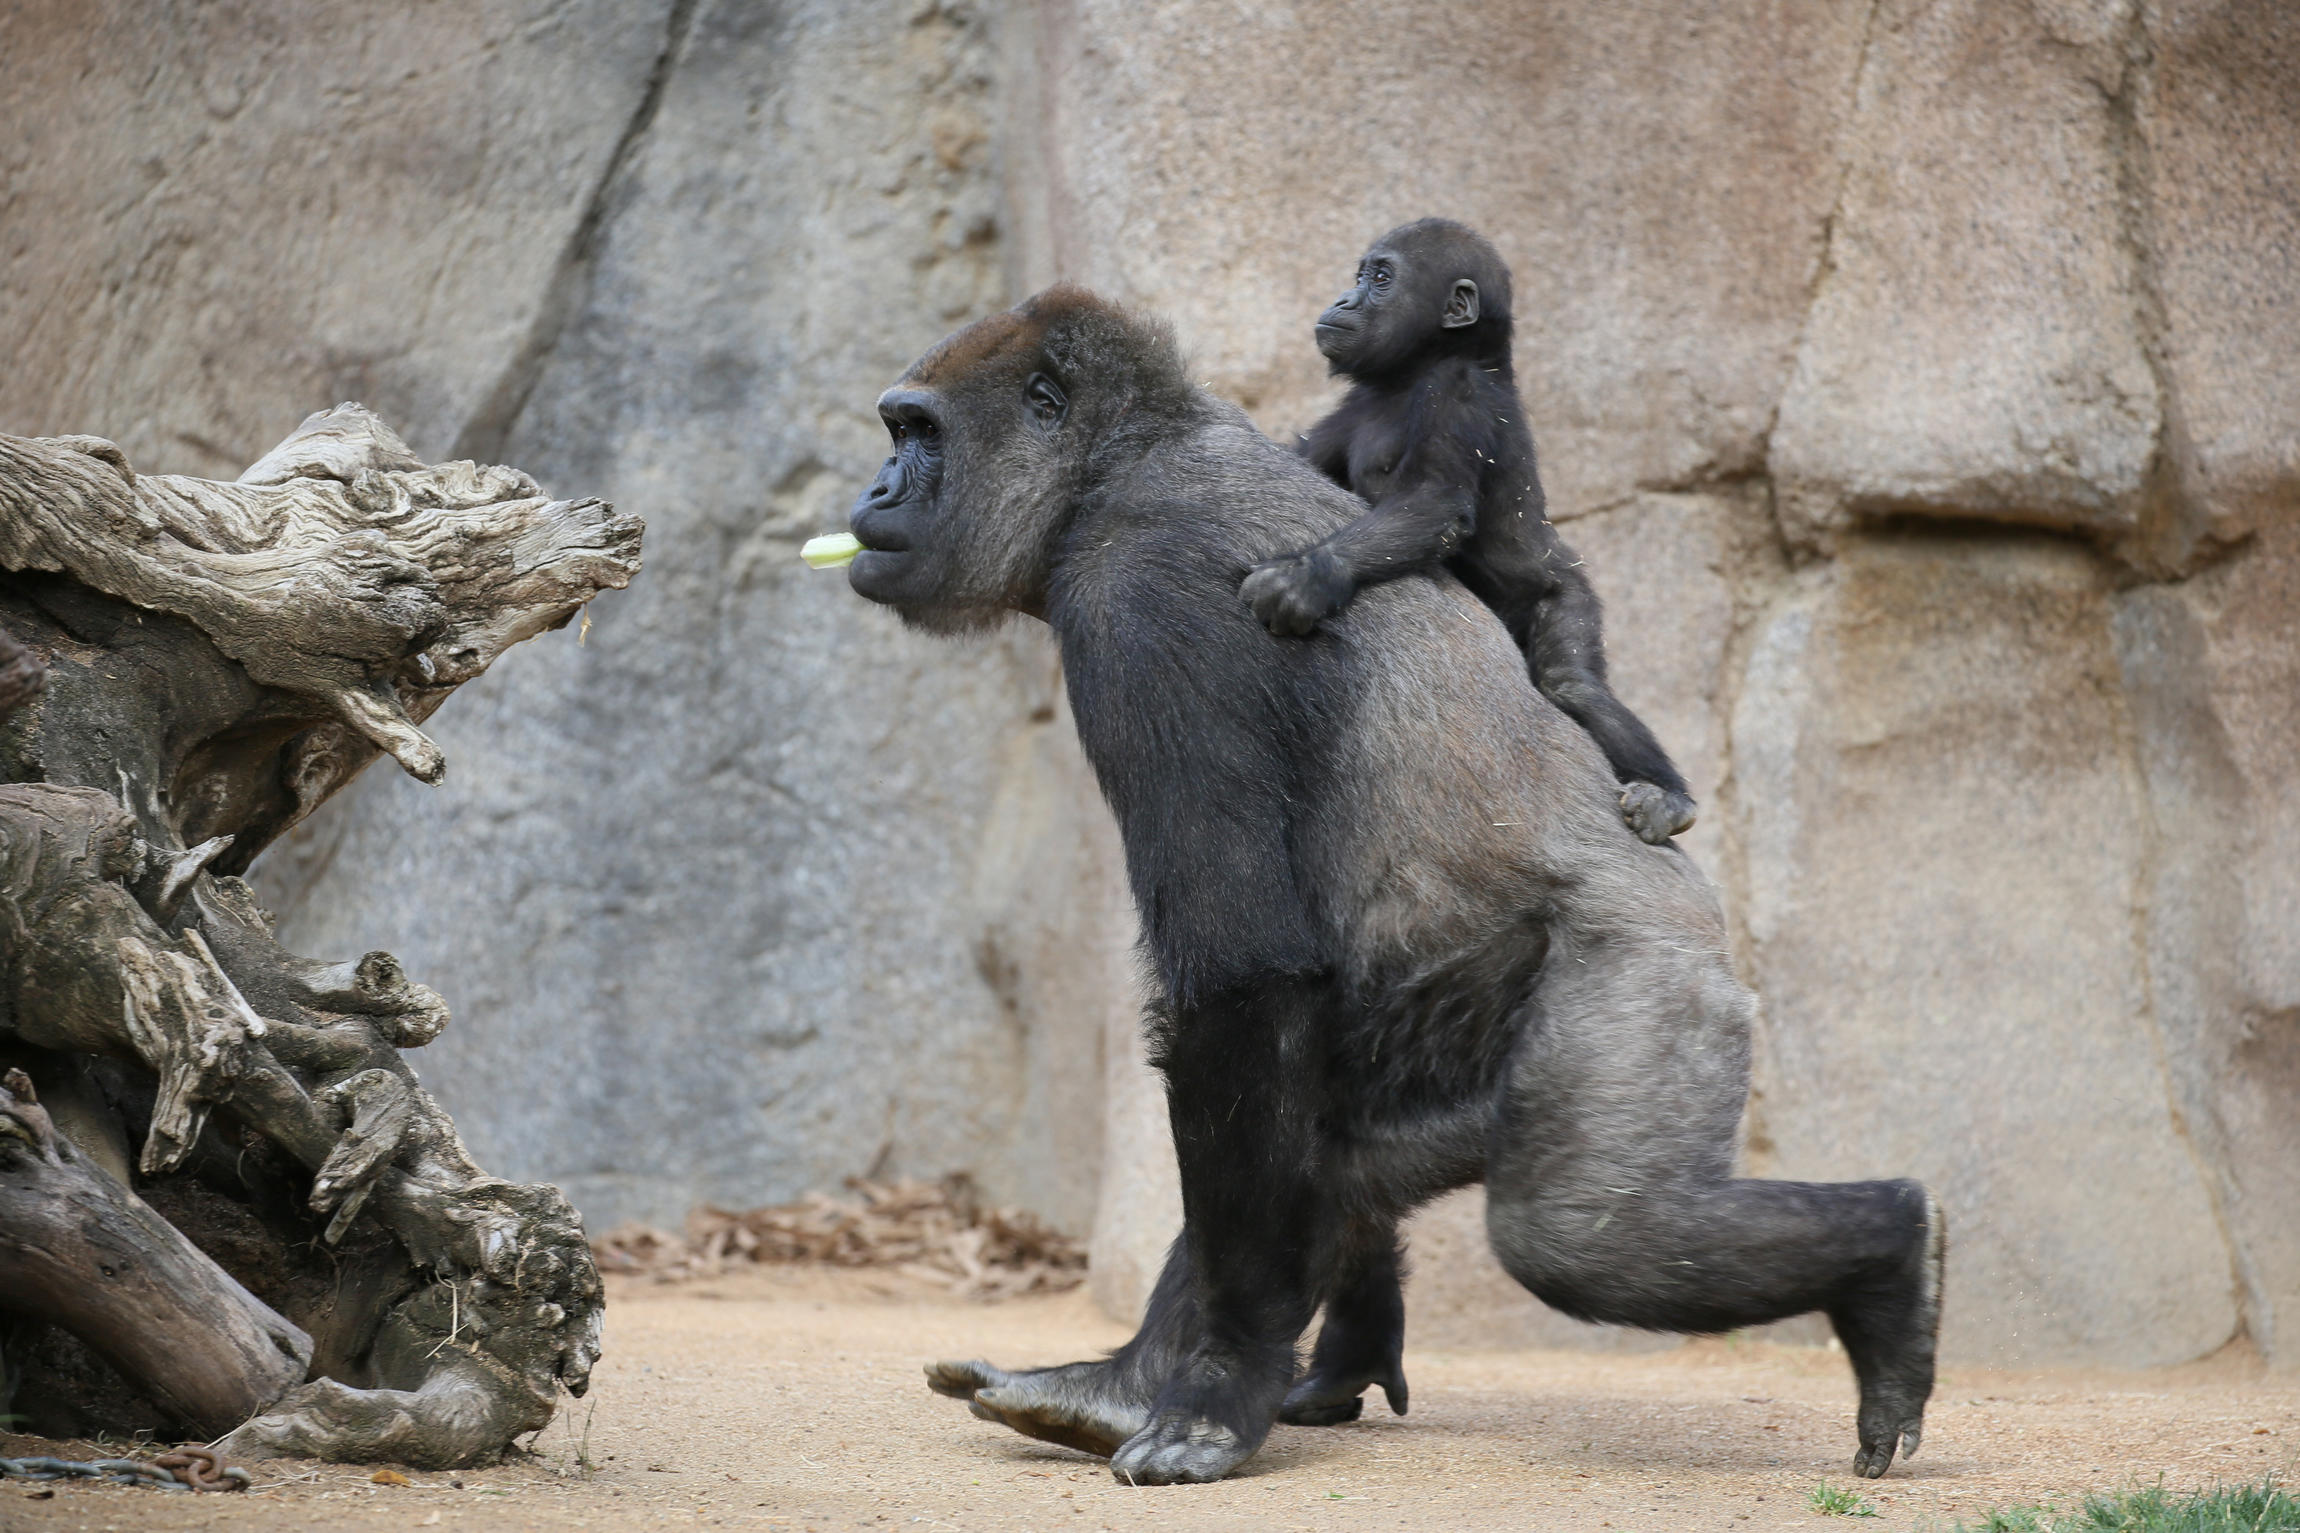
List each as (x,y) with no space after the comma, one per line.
(1433,436)
(1400,940)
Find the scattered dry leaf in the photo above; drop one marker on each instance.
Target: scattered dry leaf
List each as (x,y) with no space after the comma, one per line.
(935,1230)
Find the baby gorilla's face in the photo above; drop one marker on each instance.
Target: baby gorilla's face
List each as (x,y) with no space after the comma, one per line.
(1376,320)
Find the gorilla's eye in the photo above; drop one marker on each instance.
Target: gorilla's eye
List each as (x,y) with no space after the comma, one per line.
(1381,276)
(1048,404)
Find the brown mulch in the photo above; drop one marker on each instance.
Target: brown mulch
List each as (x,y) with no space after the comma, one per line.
(940,1232)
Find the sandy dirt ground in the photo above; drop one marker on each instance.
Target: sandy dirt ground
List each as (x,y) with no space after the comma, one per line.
(793,1400)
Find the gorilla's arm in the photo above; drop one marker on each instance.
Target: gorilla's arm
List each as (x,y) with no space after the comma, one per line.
(1424,514)
(1175,706)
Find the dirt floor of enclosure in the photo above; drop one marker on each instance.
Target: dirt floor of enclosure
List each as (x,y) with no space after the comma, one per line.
(792,1399)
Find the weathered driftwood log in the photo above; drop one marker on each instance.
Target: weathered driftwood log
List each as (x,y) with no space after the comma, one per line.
(220,658)
(20,674)
(79,1250)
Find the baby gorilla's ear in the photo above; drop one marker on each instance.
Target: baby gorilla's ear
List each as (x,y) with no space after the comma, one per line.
(1460,305)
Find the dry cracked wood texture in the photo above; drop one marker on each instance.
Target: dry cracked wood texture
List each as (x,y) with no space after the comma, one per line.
(226,1204)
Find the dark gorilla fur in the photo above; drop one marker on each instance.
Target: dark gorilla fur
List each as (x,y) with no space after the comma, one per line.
(1401,940)
(1433,436)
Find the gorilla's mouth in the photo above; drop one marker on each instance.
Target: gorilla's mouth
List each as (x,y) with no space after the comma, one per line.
(875,575)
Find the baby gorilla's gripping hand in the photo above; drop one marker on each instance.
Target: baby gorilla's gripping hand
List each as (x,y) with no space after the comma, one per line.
(1655,813)
(1293,595)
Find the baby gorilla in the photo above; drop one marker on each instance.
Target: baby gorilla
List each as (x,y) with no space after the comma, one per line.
(1433,436)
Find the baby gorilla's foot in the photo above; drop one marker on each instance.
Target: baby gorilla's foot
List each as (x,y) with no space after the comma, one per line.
(1086,1406)
(1890,1334)
(1655,813)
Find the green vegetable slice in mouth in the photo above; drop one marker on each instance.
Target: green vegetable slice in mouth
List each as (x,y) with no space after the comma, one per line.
(831,550)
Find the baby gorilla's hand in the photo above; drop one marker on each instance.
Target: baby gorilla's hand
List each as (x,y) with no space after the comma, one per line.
(1654,812)
(1295,594)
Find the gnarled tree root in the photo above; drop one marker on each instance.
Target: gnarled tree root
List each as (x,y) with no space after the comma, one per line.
(80,1251)
(222,657)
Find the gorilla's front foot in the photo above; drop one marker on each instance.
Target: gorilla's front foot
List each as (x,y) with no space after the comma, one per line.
(1207,1422)
(1322,1399)
(1347,1362)
(1086,1406)
(1890,1330)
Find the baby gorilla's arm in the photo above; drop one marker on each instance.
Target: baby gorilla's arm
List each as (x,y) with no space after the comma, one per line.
(1410,529)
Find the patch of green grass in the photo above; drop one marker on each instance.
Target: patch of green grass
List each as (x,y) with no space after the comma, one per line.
(1832,1502)
(2261,1507)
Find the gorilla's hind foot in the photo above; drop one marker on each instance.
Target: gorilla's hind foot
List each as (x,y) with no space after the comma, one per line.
(1079,1405)
(1891,1331)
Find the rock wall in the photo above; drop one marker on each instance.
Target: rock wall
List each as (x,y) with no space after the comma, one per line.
(1919,381)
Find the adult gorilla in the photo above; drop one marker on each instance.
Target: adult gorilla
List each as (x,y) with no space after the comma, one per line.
(1401,938)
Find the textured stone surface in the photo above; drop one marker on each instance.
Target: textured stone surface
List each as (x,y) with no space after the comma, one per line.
(2220,126)
(217,222)
(2213,669)
(1975,344)
(1946,841)
(1665,566)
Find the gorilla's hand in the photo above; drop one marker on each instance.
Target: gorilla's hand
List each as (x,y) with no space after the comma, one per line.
(1295,594)
(1655,813)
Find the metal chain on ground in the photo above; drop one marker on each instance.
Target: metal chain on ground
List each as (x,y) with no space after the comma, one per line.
(177,1469)
(203,1468)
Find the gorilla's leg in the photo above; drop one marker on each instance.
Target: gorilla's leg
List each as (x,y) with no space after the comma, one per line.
(1609,1191)
(1092,1406)
(1362,1341)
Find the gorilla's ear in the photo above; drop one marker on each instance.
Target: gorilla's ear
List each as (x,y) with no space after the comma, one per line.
(1048,404)
(1460,305)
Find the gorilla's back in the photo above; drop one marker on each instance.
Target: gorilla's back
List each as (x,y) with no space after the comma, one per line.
(1426,797)
(1453,798)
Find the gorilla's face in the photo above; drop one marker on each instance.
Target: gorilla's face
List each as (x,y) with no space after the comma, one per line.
(896,519)
(954,528)
(1401,301)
